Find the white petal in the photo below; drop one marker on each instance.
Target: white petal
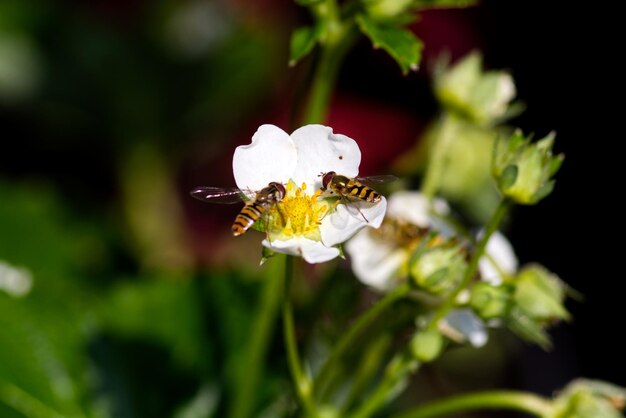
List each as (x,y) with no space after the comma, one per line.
(499,251)
(312,251)
(15,281)
(466,324)
(374,263)
(415,208)
(321,151)
(346,221)
(270,157)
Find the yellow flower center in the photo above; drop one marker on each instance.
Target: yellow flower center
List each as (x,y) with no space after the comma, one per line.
(297,214)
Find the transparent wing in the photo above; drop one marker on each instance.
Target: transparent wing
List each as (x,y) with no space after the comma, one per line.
(369,180)
(225,195)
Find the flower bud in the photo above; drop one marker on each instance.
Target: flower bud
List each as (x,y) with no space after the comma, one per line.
(590,399)
(539,294)
(438,269)
(386,9)
(524,170)
(490,301)
(426,345)
(480,96)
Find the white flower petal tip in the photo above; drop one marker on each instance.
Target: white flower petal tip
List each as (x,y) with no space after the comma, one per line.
(321,151)
(415,208)
(375,265)
(500,259)
(271,156)
(311,251)
(351,217)
(463,325)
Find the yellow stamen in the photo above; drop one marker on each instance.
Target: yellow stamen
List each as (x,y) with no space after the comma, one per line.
(297,214)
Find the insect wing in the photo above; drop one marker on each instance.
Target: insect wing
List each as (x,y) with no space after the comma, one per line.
(226,195)
(382,179)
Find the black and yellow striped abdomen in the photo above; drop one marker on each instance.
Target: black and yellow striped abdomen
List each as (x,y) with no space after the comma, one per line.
(360,191)
(247,217)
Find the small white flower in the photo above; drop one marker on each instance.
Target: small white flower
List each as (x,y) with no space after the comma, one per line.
(15,281)
(379,263)
(462,325)
(303,223)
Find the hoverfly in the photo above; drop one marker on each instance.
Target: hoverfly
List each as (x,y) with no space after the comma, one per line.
(352,190)
(255,207)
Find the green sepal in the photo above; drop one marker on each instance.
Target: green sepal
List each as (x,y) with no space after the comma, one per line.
(342,254)
(266,254)
(303,39)
(527,329)
(508,177)
(400,43)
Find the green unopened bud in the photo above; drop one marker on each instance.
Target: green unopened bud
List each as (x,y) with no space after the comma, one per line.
(490,301)
(524,170)
(539,294)
(481,96)
(426,345)
(386,9)
(590,399)
(438,269)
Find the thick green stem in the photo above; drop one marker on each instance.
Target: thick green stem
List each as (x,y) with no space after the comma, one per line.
(348,339)
(517,401)
(471,269)
(248,379)
(302,382)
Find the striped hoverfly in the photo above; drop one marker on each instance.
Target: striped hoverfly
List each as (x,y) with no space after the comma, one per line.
(353,190)
(257,203)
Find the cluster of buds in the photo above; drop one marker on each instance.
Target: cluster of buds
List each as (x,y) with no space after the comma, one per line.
(524,170)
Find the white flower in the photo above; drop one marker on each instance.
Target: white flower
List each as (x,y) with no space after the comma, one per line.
(379,263)
(382,264)
(16,282)
(303,223)
(499,261)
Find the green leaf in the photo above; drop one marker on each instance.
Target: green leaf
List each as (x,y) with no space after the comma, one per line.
(400,43)
(303,40)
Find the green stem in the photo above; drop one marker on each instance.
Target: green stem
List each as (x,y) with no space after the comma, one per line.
(338,38)
(398,368)
(438,156)
(402,364)
(248,379)
(302,382)
(470,271)
(348,339)
(517,401)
